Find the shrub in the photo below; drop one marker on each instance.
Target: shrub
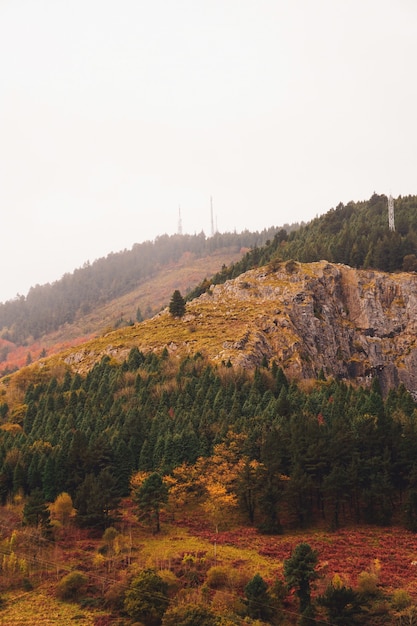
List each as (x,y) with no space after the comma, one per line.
(368,583)
(115,594)
(70,585)
(190,615)
(221,577)
(171,580)
(146,599)
(217,577)
(401,599)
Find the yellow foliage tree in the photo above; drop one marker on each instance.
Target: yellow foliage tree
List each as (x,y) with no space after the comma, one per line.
(63,509)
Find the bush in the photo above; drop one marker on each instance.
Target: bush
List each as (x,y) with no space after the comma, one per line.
(401,599)
(70,585)
(217,577)
(172,582)
(115,595)
(222,577)
(368,584)
(146,599)
(190,615)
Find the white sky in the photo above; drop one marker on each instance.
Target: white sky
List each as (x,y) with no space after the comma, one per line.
(113,114)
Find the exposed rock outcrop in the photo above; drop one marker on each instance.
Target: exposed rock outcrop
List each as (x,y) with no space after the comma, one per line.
(350,323)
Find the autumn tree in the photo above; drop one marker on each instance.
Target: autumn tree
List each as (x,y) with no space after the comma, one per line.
(63,508)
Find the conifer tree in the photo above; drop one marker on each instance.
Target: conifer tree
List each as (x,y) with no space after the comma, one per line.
(149,497)
(36,512)
(300,571)
(177,304)
(258,601)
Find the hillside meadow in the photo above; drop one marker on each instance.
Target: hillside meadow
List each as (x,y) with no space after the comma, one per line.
(200,566)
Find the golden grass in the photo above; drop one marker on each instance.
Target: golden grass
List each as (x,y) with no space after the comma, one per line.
(39,608)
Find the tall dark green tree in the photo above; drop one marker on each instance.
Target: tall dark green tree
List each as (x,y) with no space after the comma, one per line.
(97,501)
(343,605)
(300,571)
(177,304)
(150,497)
(36,512)
(258,602)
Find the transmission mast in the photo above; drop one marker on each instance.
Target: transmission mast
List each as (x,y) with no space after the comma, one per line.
(179,221)
(391,222)
(211,214)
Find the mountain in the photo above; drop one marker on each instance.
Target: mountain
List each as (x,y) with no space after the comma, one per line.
(281,401)
(137,283)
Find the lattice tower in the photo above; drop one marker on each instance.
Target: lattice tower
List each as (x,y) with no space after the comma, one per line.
(391,222)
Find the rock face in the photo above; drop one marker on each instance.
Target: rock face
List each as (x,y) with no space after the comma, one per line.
(352,324)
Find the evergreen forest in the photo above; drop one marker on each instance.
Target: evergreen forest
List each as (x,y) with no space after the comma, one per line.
(336,452)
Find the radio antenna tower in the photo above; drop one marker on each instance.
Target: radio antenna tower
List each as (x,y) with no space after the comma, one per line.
(391,222)
(211,215)
(179,221)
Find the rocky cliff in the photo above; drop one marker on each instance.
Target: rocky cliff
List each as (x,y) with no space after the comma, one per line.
(349,323)
(352,324)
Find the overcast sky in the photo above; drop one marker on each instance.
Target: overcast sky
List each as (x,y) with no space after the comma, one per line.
(113,114)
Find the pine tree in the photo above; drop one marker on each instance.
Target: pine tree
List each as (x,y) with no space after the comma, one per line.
(258,601)
(36,512)
(300,571)
(177,304)
(149,497)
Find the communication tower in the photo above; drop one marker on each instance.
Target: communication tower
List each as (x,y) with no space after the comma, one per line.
(391,222)
(211,214)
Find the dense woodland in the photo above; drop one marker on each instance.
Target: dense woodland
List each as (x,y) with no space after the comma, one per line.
(336,452)
(47,307)
(356,234)
(251,451)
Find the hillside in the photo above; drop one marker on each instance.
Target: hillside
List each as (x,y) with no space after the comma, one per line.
(204,452)
(46,308)
(309,318)
(135,284)
(208,448)
(149,296)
